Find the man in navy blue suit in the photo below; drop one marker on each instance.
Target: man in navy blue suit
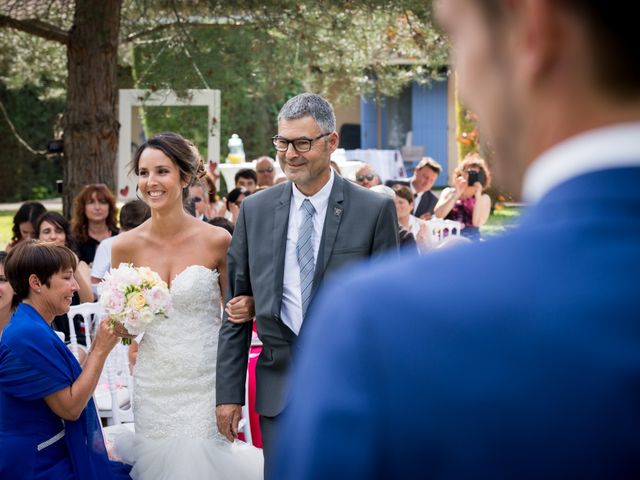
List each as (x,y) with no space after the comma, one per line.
(518,357)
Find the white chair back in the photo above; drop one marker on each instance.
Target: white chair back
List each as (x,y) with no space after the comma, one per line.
(114,393)
(91,313)
(115,388)
(440,230)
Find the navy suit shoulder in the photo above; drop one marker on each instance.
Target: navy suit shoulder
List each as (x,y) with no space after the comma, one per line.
(521,362)
(427,203)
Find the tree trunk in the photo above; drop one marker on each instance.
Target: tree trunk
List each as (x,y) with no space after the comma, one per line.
(90,122)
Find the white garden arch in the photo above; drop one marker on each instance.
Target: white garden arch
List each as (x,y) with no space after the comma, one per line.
(128,99)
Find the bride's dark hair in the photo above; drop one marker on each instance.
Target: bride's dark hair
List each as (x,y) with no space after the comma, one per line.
(182,152)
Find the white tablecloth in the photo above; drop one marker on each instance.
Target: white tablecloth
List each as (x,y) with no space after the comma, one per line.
(387,163)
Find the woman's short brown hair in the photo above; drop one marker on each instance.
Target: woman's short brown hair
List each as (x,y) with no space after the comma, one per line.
(42,259)
(403,192)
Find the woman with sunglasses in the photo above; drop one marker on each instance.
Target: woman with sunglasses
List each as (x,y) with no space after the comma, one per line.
(94,219)
(366,177)
(465,202)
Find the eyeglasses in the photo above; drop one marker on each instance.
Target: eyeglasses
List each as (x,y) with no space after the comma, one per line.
(362,178)
(270,169)
(300,145)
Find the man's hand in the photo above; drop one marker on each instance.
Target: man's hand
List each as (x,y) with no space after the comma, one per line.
(240,309)
(228,417)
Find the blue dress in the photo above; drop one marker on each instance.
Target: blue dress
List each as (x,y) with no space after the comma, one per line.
(35,443)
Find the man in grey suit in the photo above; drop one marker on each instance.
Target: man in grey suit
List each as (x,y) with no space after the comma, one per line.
(287,240)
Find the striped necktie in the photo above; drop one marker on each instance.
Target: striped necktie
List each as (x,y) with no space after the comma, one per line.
(304,251)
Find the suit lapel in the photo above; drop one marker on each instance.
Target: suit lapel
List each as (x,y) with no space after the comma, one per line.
(335,211)
(280,228)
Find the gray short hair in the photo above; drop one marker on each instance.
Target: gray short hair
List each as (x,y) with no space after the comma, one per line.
(310,105)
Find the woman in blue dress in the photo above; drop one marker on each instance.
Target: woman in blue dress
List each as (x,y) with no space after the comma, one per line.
(49,428)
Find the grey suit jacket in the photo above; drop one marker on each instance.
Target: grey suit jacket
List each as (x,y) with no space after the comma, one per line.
(358,224)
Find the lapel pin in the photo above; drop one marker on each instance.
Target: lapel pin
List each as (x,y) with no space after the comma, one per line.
(337,211)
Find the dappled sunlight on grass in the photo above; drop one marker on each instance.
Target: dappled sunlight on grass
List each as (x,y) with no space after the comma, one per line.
(502,219)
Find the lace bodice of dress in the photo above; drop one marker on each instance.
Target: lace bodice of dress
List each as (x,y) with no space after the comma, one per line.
(176,364)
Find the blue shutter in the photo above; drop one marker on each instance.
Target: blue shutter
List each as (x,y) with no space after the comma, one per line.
(429,122)
(368,119)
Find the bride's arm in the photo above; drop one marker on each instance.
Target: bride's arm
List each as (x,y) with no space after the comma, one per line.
(241,309)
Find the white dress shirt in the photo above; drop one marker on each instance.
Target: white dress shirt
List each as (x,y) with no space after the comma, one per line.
(600,149)
(417,196)
(102,260)
(291,309)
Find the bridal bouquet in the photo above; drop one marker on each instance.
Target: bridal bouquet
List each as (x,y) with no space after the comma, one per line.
(135,297)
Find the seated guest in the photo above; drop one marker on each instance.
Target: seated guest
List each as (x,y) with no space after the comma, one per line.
(222,223)
(216,206)
(424,176)
(265,171)
(50,428)
(367,177)
(234,200)
(6,295)
(132,214)
(198,202)
(404,206)
(93,219)
(465,202)
(23,223)
(405,237)
(247,179)
(53,227)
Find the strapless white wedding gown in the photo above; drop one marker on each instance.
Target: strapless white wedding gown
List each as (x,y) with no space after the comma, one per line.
(175,382)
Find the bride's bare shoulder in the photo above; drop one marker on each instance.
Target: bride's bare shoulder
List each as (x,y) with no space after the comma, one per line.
(215,235)
(126,243)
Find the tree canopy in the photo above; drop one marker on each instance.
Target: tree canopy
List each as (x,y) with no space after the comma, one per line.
(257,53)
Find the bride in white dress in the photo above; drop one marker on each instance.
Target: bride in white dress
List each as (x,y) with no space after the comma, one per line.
(174,403)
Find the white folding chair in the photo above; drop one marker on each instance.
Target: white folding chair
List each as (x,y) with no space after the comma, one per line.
(114,393)
(92,313)
(440,230)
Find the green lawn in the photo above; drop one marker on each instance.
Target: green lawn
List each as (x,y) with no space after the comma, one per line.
(500,220)
(6,220)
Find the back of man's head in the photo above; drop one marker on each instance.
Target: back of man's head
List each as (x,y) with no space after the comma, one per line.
(612,41)
(133,213)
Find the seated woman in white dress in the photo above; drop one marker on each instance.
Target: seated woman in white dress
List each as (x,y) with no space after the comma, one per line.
(174,402)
